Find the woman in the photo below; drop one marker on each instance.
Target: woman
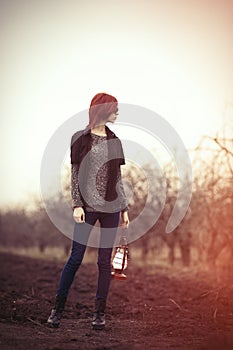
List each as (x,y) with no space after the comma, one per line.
(97,194)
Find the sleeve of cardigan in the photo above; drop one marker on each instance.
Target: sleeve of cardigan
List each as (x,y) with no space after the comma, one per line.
(75,192)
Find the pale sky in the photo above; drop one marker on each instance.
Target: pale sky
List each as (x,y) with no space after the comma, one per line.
(174,57)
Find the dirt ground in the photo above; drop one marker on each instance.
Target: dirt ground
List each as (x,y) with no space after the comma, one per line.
(155,308)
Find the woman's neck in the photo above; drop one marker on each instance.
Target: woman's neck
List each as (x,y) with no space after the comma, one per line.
(99,130)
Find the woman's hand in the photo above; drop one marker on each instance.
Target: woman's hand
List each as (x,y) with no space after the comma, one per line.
(125,219)
(79,215)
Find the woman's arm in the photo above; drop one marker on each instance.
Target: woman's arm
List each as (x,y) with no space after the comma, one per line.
(125,219)
(123,201)
(121,192)
(75,192)
(77,202)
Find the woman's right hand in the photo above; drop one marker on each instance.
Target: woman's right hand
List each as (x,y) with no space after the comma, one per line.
(79,215)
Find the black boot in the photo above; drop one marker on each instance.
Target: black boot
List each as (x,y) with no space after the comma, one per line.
(98,321)
(56,313)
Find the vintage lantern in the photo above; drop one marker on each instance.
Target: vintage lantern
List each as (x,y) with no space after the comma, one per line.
(120,259)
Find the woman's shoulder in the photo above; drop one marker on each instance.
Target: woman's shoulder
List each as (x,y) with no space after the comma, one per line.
(77,135)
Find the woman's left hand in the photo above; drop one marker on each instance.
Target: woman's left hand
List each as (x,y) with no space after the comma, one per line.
(125,219)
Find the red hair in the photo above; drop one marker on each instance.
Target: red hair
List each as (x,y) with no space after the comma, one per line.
(102,105)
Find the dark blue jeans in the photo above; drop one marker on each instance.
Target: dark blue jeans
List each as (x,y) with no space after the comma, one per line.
(107,221)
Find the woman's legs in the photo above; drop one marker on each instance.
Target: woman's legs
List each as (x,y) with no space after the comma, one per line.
(104,278)
(81,233)
(71,268)
(109,224)
(77,253)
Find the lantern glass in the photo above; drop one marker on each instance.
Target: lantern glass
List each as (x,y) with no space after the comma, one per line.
(120,260)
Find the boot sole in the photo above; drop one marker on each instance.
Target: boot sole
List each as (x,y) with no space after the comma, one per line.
(51,325)
(98,327)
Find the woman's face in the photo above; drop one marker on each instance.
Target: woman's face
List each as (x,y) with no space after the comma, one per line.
(112,117)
